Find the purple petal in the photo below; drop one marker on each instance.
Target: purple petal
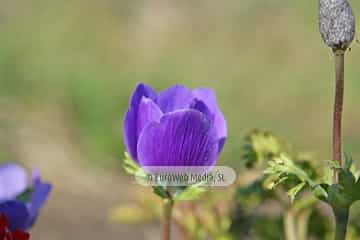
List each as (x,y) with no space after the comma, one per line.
(39,196)
(13,181)
(40,192)
(199,105)
(141,90)
(130,120)
(208,97)
(148,112)
(182,138)
(174,98)
(17,214)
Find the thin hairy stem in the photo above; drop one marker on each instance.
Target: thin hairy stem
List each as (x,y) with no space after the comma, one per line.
(338,108)
(167,215)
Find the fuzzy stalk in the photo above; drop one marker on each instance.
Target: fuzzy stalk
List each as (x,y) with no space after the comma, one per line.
(338,109)
(167,215)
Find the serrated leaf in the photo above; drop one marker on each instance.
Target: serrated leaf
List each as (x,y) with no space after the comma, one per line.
(189,193)
(283,166)
(293,192)
(261,146)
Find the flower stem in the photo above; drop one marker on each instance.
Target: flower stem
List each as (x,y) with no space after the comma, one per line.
(338,108)
(341,221)
(167,214)
(290,225)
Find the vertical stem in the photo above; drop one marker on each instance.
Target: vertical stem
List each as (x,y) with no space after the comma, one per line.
(341,221)
(303,223)
(167,214)
(290,225)
(338,107)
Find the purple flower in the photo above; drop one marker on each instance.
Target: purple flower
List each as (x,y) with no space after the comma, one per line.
(21,200)
(177,127)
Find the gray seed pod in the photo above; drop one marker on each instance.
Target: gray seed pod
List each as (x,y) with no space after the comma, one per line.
(337,23)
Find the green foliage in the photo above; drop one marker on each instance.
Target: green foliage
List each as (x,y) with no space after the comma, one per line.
(253,194)
(283,170)
(293,192)
(133,169)
(287,173)
(260,146)
(341,195)
(264,148)
(185,193)
(189,193)
(347,191)
(257,227)
(129,165)
(161,192)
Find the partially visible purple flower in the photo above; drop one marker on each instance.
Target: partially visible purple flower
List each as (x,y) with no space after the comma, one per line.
(21,199)
(6,234)
(177,127)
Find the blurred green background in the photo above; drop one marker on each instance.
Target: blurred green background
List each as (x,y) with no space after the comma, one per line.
(67,69)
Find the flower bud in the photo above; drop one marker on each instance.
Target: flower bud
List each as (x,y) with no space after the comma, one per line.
(336,23)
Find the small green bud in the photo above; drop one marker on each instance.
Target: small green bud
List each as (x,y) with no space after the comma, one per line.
(336,23)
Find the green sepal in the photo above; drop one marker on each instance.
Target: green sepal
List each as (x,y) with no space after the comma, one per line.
(161,192)
(129,165)
(179,193)
(189,193)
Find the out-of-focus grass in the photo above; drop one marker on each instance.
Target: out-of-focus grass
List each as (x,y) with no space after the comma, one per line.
(265,60)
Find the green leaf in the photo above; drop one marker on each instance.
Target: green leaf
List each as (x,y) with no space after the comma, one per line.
(129,165)
(337,199)
(283,166)
(189,193)
(333,164)
(320,192)
(295,190)
(347,180)
(161,192)
(261,146)
(348,162)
